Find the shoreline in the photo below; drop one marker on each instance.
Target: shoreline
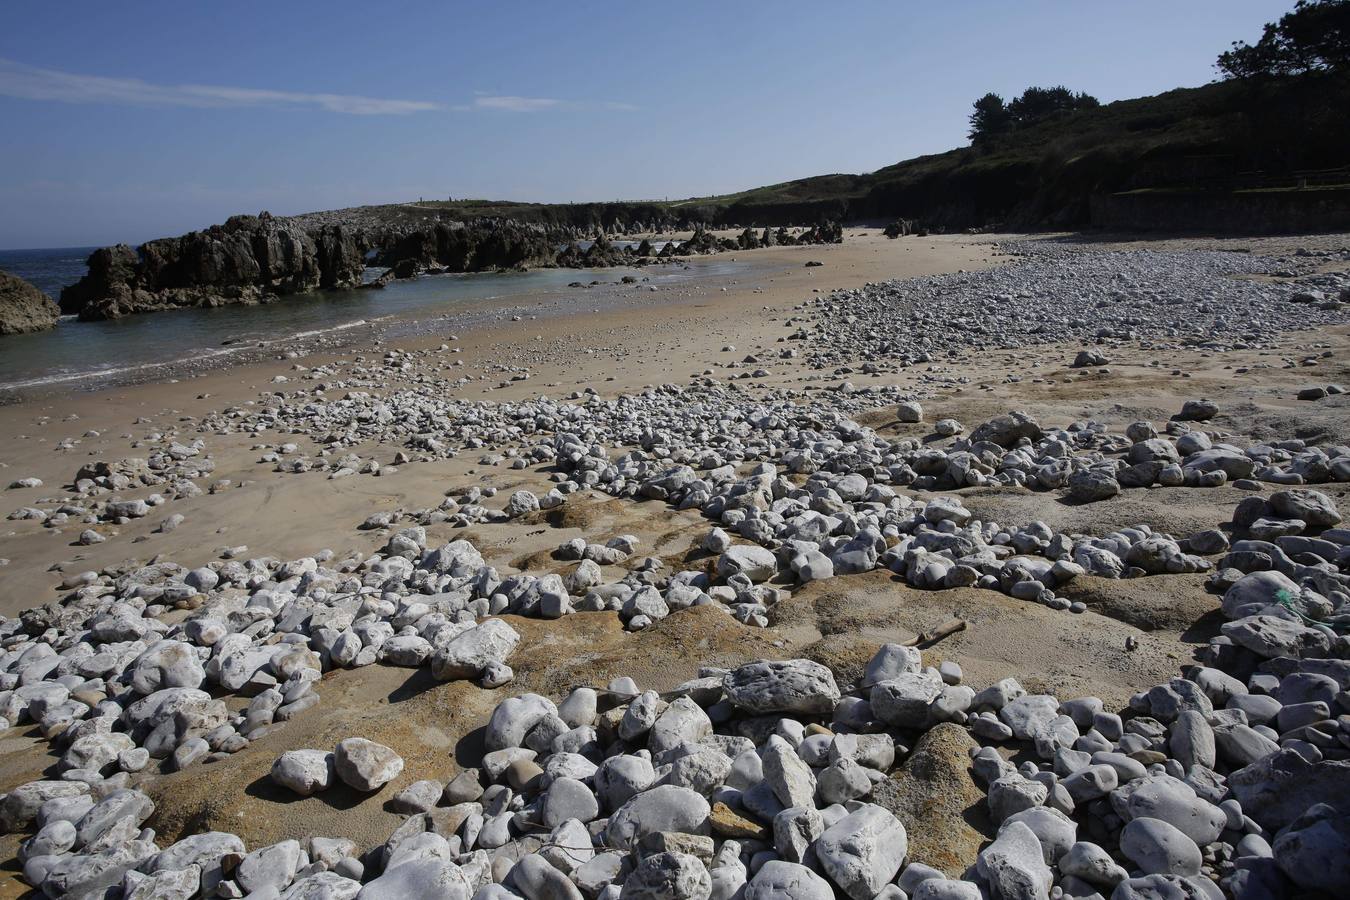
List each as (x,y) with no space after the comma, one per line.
(761,267)
(471,314)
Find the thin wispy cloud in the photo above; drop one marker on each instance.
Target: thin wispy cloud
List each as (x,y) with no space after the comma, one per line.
(27,82)
(35,83)
(512,103)
(517,104)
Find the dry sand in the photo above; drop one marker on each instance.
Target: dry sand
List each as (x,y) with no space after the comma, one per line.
(666,336)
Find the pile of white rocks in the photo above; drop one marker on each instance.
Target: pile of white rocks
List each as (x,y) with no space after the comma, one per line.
(830,525)
(1292,534)
(1060,293)
(1087,460)
(427,423)
(113,686)
(767,781)
(841,521)
(708,426)
(101,486)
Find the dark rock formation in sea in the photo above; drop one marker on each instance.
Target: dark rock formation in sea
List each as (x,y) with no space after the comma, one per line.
(704,241)
(476,246)
(258,259)
(380,282)
(249,259)
(604,253)
(23,307)
(601,254)
(571,256)
(701,241)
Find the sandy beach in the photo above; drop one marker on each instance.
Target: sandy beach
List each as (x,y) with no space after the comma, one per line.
(655,337)
(500,453)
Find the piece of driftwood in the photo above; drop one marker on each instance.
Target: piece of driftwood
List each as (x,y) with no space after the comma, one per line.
(947,629)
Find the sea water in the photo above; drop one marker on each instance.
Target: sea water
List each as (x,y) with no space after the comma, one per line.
(77,351)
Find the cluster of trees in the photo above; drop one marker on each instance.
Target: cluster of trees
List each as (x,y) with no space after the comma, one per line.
(1314,37)
(993,117)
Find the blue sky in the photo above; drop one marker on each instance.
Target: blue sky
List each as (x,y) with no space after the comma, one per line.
(124,122)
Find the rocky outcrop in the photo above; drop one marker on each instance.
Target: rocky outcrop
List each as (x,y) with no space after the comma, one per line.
(571,256)
(249,259)
(827,232)
(603,252)
(23,307)
(257,259)
(701,241)
(901,227)
(477,246)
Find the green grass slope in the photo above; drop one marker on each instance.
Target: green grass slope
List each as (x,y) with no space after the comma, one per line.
(1220,139)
